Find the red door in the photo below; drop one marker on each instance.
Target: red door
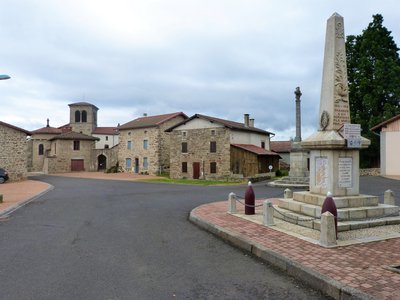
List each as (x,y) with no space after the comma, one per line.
(77,165)
(196,170)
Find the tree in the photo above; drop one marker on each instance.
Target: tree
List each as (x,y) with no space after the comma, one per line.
(373,67)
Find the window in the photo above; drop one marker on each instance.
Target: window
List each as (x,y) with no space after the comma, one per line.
(184,167)
(213,167)
(213,147)
(263,145)
(145,144)
(106,146)
(84,116)
(184,134)
(106,137)
(184,147)
(77,145)
(145,163)
(77,116)
(41,149)
(212,132)
(128,163)
(129,133)
(129,145)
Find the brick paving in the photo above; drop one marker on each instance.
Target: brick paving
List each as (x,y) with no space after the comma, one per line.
(360,267)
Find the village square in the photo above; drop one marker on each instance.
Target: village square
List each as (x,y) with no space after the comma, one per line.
(332,229)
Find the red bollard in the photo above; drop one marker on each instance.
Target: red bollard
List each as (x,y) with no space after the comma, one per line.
(329,205)
(249,199)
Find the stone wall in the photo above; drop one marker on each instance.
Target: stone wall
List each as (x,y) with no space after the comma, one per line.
(111,155)
(38,160)
(198,141)
(13,152)
(61,154)
(370,172)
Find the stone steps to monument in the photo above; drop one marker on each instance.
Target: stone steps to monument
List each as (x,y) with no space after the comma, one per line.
(345,214)
(340,202)
(303,182)
(315,223)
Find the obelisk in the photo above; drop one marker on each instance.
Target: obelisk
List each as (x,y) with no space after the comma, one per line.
(334,167)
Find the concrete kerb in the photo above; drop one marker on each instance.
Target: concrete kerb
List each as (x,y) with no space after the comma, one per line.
(11,209)
(316,280)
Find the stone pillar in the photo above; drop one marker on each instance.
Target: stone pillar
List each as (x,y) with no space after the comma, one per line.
(268,213)
(232,203)
(389,198)
(298,115)
(328,233)
(287,194)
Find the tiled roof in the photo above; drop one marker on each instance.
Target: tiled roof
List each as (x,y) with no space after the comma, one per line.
(106,130)
(281,146)
(226,123)
(72,135)
(15,128)
(254,149)
(150,121)
(48,130)
(83,104)
(380,125)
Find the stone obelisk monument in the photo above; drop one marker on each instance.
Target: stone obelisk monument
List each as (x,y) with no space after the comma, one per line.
(334,166)
(334,152)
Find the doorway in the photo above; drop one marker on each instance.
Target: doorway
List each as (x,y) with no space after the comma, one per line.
(196,170)
(136,165)
(101,162)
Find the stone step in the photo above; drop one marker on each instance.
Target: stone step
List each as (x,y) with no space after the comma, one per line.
(315,223)
(347,213)
(341,202)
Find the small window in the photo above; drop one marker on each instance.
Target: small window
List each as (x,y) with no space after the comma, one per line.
(184,134)
(41,149)
(145,163)
(184,167)
(84,116)
(184,147)
(213,167)
(145,144)
(106,146)
(145,132)
(106,137)
(77,145)
(129,133)
(212,132)
(128,163)
(263,145)
(77,116)
(213,147)
(129,145)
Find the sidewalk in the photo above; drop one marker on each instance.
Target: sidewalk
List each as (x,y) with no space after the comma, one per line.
(353,272)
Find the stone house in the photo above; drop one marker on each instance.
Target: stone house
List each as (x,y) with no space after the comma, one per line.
(144,144)
(389,132)
(14,151)
(212,148)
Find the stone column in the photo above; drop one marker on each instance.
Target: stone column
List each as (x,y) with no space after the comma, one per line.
(298,115)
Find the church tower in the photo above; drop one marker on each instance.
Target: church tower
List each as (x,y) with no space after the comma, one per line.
(83,117)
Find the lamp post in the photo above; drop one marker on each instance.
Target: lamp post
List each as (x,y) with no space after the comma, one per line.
(4,77)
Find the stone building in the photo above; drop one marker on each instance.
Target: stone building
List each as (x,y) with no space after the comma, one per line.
(211,148)
(389,132)
(14,151)
(144,144)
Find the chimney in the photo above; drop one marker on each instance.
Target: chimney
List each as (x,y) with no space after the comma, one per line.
(144,114)
(246,120)
(48,123)
(251,123)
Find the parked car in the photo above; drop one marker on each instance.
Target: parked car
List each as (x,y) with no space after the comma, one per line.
(3,175)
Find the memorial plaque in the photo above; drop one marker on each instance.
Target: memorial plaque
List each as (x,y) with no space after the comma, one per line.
(345,172)
(321,172)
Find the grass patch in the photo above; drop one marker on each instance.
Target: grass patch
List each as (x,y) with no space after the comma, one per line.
(191,181)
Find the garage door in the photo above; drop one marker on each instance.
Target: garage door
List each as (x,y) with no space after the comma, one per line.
(77,165)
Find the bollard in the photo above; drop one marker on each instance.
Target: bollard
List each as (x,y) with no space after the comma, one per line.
(388,198)
(268,213)
(232,203)
(329,205)
(328,233)
(288,194)
(249,200)
(1,198)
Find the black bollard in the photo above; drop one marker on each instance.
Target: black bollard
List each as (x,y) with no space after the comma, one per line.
(329,205)
(249,200)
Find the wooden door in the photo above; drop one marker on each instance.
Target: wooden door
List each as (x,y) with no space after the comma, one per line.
(196,170)
(77,165)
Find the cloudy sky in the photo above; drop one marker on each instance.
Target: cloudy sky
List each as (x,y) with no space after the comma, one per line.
(221,58)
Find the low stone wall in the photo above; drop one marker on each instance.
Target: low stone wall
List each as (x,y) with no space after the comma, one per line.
(370,172)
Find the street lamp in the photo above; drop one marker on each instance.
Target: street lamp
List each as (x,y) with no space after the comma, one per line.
(4,77)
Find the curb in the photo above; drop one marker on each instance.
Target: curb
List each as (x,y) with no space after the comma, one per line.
(330,287)
(13,208)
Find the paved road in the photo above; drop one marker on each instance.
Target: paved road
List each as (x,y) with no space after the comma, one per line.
(96,239)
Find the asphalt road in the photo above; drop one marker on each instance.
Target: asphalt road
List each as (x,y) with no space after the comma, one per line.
(97,239)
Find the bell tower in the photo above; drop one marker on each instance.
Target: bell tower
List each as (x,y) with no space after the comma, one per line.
(83,117)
